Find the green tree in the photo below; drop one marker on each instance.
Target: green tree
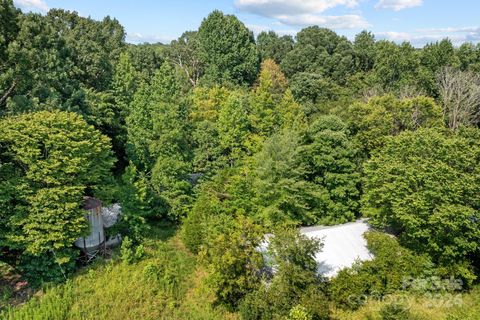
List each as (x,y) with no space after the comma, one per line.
(468,57)
(272,46)
(39,64)
(234,127)
(385,116)
(221,128)
(227,50)
(8,28)
(124,82)
(332,164)
(292,115)
(295,280)
(283,195)
(8,32)
(425,186)
(48,161)
(158,138)
(396,66)
(313,88)
(94,46)
(320,51)
(219,201)
(146,59)
(364,46)
(433,58)
(204,113)
(234,262)
(266,98)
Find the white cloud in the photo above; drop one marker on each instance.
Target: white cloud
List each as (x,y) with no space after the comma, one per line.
(304,12)
(421,37)
(272,8)
(256,29)
(466,33)
(332,22)
(398,5)
(136,37)
(406,36)
(39,5)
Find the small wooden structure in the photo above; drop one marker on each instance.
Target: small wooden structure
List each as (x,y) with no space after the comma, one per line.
(94,243)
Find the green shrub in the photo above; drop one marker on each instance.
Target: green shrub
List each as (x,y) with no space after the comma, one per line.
(126,251)
(395,311)
(256,305)
(387,273)
(48,267)
(295,281)
(299,313)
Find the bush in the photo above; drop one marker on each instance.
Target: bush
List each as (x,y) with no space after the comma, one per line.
(299,313)
(395,311)
(48,267)
(234,263)
(387,273)
(130,254)
(295,281)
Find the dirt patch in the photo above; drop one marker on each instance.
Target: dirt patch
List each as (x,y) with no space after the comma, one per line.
(13,289)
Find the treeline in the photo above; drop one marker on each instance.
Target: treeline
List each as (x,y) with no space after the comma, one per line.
(233,137)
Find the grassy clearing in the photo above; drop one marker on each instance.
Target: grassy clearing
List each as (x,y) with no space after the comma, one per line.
(166,284)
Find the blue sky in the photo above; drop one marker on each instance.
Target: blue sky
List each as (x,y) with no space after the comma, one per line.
(418,21)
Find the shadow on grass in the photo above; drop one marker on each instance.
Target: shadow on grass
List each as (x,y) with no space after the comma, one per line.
(161,230)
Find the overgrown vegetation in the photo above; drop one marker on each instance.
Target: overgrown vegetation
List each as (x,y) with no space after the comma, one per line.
(232,138)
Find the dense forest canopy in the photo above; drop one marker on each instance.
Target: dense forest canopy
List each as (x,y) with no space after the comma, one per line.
(232,136)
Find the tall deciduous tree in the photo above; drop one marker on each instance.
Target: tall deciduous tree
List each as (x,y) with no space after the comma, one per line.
(384,116)
(158,139)
(266,99)
(39,64)
(460,96)
(8,32)
(364,46)
(94,46)
(433,58)
(320,51)
(395,66)
(227,50)
(48,162)
(272,46)
(332,163)
(184,53)
(425,186)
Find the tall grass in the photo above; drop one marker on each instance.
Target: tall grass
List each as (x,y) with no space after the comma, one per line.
(163,285)
(458,307)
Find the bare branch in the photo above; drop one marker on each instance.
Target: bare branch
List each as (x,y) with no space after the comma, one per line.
(8,93)
(460,96)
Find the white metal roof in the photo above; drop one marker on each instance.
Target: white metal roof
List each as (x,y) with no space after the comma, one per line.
(342,246)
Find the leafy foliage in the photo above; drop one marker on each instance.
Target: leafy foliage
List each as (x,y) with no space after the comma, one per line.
(227,50)
(234,263)
(295,281)
(49,160)
(424,184)
(388,272)
(323,131)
